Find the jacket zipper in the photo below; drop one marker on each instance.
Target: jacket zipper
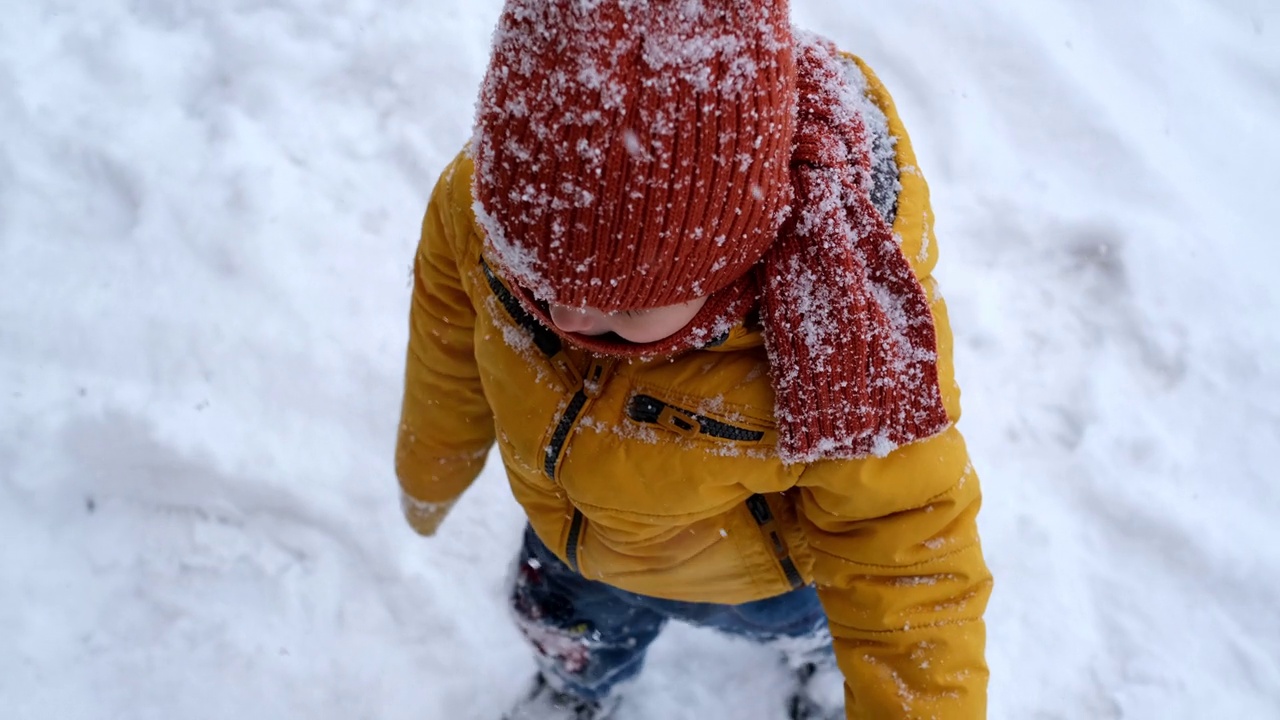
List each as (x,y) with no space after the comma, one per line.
(764,518)
(571,544)
(591,388)
(649,409)
(547,342)
(558,439)
(588,387)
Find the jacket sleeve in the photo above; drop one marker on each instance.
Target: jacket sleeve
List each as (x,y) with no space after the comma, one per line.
(900,573)
(446,426)
(897,561)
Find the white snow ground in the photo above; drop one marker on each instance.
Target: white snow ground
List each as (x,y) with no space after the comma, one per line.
(207,212)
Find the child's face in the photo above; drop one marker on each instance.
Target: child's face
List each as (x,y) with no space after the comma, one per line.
(637,326)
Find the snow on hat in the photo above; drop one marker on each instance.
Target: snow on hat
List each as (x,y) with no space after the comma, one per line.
(633,154)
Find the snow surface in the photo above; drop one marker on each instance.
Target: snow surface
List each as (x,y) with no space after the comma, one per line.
(207,214)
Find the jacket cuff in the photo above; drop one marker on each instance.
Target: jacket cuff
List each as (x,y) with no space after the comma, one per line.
(424,517)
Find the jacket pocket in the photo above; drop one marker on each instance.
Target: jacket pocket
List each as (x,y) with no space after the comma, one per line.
(763,515)
(650,410)
(735,430)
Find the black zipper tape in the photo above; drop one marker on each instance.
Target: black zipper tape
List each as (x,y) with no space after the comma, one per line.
(571,546)
(763,516)
(561,434)
(759,508)
(793,575)
(547,341)
(648,409)
(548,344)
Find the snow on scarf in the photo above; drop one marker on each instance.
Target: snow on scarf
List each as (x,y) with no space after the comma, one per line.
(850,337)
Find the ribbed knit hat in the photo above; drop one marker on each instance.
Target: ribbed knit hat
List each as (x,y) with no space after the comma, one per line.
(633,154)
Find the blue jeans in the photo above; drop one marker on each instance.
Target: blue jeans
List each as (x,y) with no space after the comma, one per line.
(589,636)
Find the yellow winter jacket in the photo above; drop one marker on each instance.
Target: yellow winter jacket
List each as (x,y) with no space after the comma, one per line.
(659,476)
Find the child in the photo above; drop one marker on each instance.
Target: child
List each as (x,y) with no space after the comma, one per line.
(681,276)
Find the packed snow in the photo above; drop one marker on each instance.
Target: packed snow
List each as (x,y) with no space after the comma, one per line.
(207,216)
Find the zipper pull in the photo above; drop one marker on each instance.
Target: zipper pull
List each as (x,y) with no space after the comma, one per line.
(597,373)
(682,422)
(564,368)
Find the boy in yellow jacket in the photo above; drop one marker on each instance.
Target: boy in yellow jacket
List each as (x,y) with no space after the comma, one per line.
(681,277)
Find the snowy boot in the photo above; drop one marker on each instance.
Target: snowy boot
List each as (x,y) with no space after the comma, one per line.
(546,703)
(819,693)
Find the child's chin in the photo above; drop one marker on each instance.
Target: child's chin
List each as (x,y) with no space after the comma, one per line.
(610,337)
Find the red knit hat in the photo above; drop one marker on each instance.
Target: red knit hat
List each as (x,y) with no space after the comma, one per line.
(633,155)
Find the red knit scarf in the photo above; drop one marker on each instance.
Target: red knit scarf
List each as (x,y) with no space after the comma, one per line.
(850,337)
(851,341)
